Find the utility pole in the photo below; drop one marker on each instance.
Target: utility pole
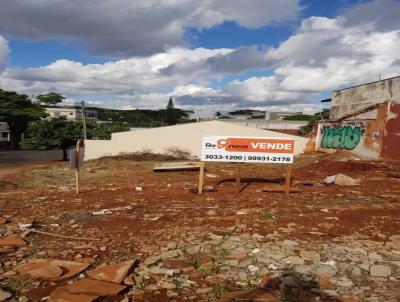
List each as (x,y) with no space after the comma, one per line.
(84,120)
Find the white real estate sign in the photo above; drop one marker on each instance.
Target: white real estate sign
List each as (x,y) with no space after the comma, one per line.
(242,149)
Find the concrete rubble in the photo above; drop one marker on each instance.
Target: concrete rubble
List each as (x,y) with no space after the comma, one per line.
(177,166)
(54,270)
(342,180)
(328,243)
(114,273)
(201,265)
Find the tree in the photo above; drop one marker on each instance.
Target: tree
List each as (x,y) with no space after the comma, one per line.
(59,133)
(321,115)
(17,111)
(104,131)
(140,117)
(52,133)
(245,112)
(50,98)
(299,117)
(171,115)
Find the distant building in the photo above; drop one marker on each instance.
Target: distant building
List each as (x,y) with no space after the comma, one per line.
(352,99)
(262,123)
(267,120)
(267,124)
(259,114)
(279,115)
(71,112)
(247,114)
(4,132)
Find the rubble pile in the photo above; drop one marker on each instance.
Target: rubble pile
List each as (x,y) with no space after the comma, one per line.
(344,268)
(331,242)
(223,264)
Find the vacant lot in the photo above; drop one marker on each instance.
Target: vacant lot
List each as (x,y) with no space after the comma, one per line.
(326,243)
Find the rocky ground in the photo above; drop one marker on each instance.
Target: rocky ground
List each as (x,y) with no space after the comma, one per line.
(136,235)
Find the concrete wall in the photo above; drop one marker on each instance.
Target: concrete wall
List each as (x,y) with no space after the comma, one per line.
(352,99)
(267,124)
(391,137)
(279,115)
(371,134)
(187,137)
(355,136)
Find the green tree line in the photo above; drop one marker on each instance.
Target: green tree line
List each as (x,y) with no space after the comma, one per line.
(59,133)
(42,133)
(144,117)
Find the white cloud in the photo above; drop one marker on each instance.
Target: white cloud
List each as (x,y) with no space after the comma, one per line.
(4,52)
(322,55)
(353,48)
(133,27)
(133,75)
(339,57)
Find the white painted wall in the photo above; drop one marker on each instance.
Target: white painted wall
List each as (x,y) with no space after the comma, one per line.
(4,132)
(70,113)
(187,137)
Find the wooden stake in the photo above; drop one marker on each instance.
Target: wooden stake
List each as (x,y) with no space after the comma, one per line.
(238,177)
(77,180)
(79,144)
(62,236)
(288,178)
(201,178)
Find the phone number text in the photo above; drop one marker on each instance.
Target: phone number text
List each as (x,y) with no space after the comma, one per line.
(247,158)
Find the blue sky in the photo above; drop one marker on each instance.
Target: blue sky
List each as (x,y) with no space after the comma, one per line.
(26,53)
(261,54)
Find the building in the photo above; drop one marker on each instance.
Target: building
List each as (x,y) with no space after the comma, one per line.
(279,115)
(247,114)
(70,112)
(258,114)
(348,100)
(275,121)
(364,120)
(4,132)
(267,124)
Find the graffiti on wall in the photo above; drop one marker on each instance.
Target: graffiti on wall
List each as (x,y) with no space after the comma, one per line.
(341,136)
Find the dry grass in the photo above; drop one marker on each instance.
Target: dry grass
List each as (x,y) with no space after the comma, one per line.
(117,171)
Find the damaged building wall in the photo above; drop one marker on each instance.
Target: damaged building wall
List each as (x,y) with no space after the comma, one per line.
(373,132)
(352,99)
(391,138)
(355,136)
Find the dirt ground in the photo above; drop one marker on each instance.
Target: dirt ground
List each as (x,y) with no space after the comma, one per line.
(141,223)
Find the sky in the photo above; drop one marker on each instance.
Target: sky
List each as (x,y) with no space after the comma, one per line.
(209,55)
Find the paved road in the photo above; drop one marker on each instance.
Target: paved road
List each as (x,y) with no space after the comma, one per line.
(14,158)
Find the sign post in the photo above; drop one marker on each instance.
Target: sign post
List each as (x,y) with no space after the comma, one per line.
(288,179)
(76,161)
(201,178)
(238,177)
(239,149)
